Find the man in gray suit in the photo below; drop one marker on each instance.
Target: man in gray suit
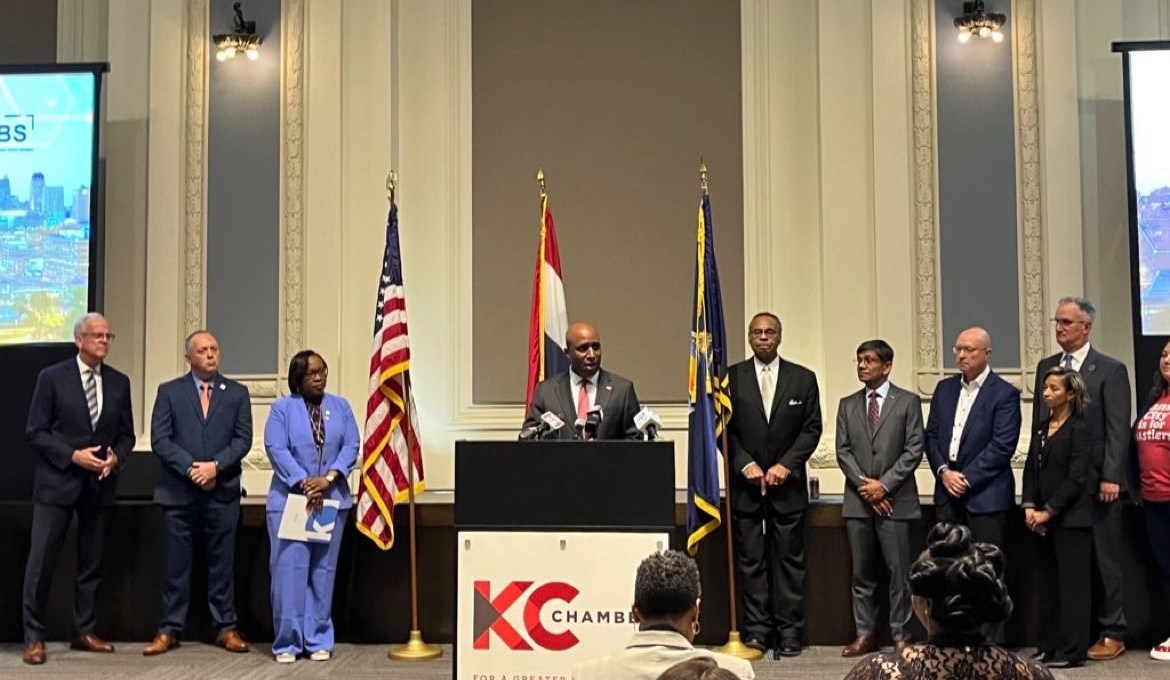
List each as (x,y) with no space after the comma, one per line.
(879,445)
(1108,413)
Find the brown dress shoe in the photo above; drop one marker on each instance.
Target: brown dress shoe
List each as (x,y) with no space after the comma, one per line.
(91,643)
(864,644)
(34,653)
(231,641)
(161,644)
(1106,649)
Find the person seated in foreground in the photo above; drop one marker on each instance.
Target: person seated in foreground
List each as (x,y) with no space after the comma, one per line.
(702,668)
(666,609)
(956,588)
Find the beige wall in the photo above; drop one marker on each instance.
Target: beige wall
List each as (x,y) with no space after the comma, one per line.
(836,187)
(617,101)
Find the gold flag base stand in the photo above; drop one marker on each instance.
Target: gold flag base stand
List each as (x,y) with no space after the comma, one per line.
(735,647)
(415,649)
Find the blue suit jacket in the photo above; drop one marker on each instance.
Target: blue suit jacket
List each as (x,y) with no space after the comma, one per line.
(180,436)
(288,440)
(987,444)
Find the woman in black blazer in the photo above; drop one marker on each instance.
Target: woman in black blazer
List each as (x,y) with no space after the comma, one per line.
(1060,477)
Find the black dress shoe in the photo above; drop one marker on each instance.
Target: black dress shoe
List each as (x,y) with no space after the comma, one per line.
(756,643)
(1064,663)
(787,647)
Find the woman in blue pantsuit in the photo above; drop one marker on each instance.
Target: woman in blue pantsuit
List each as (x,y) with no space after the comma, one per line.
(312,440)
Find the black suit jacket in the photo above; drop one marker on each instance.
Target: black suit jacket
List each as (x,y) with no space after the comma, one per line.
(180,436)
(1061,472)
(1108,415)
(789,438)
(58,423)
(615,395)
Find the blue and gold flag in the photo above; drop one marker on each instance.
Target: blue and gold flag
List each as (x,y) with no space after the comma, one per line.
(710,405)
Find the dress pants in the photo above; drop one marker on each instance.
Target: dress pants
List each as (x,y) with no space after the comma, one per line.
(302,589)
(1107,539)
(49,524)
(1063,558)
(770,561)
(1158,531)
(215,524)
(872,541)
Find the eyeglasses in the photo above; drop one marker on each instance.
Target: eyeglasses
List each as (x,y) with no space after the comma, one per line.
(322,372)
(967,350)
(99,336)
(763,332)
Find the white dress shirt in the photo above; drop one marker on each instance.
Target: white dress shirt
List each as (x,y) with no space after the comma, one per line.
(968,391)
(590,387)
(97,376)
(1078,357)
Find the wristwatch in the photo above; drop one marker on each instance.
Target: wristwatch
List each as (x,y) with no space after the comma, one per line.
(331,476)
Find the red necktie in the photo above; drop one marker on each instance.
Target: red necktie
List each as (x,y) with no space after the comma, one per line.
(873,409)
(583,401)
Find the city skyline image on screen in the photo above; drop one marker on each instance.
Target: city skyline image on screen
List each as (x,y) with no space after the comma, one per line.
(47,139)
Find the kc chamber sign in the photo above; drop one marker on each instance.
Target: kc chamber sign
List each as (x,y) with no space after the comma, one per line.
(532,605)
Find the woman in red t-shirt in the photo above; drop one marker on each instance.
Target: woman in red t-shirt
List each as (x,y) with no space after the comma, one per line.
(1151,433)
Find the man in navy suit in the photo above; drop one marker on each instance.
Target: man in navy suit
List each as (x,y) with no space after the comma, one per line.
(82,428)
(201,429)
(971,434)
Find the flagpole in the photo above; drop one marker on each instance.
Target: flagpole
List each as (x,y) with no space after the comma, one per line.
(415,648)
(734,645)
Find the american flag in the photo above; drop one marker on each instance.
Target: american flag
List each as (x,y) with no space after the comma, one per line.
(391,439)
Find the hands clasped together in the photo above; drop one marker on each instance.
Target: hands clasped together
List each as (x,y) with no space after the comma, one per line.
(87,459)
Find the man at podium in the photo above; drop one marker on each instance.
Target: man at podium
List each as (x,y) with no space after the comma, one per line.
(584,402)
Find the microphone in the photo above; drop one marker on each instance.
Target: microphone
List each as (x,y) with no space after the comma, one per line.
(549,423)
(593,421)
(648,422)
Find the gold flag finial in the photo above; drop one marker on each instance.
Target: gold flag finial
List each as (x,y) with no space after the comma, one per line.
(540,180)
(702,175)
(391,185)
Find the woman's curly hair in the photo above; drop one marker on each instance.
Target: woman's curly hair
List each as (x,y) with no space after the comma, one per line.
(963,580)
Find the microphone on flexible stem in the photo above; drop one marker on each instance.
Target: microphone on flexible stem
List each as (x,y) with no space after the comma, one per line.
(592,422)
(549,423)
(648,422)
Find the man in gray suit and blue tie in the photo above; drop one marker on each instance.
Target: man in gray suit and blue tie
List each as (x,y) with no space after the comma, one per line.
(879,446)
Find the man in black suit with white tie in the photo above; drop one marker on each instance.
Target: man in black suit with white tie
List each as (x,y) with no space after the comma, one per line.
(81,425)
(1107,387)
(775,427)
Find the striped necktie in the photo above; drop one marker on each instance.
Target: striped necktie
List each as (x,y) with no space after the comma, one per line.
(91,395)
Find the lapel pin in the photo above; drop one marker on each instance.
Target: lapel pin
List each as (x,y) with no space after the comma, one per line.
(609,387)
(222,387)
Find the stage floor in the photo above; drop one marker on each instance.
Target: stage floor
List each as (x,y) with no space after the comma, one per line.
(369,661)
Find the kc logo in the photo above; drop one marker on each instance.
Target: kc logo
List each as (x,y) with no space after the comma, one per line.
(489,615)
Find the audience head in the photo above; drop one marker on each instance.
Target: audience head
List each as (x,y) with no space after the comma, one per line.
(700,668)
(1074,322)
(307,374)
(666,592)
(1065,387)
(957,584)
(972,351)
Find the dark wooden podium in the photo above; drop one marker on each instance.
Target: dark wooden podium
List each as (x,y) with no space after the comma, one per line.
(548,539)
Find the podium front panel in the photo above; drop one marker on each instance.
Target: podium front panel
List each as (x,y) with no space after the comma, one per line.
(615,485)
(535,604)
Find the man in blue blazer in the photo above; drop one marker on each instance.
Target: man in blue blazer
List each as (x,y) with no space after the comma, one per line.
(971,435)
(201,429)
(81,426)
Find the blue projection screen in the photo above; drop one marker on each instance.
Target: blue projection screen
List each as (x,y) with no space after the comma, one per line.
(1149,126)
(48,162)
